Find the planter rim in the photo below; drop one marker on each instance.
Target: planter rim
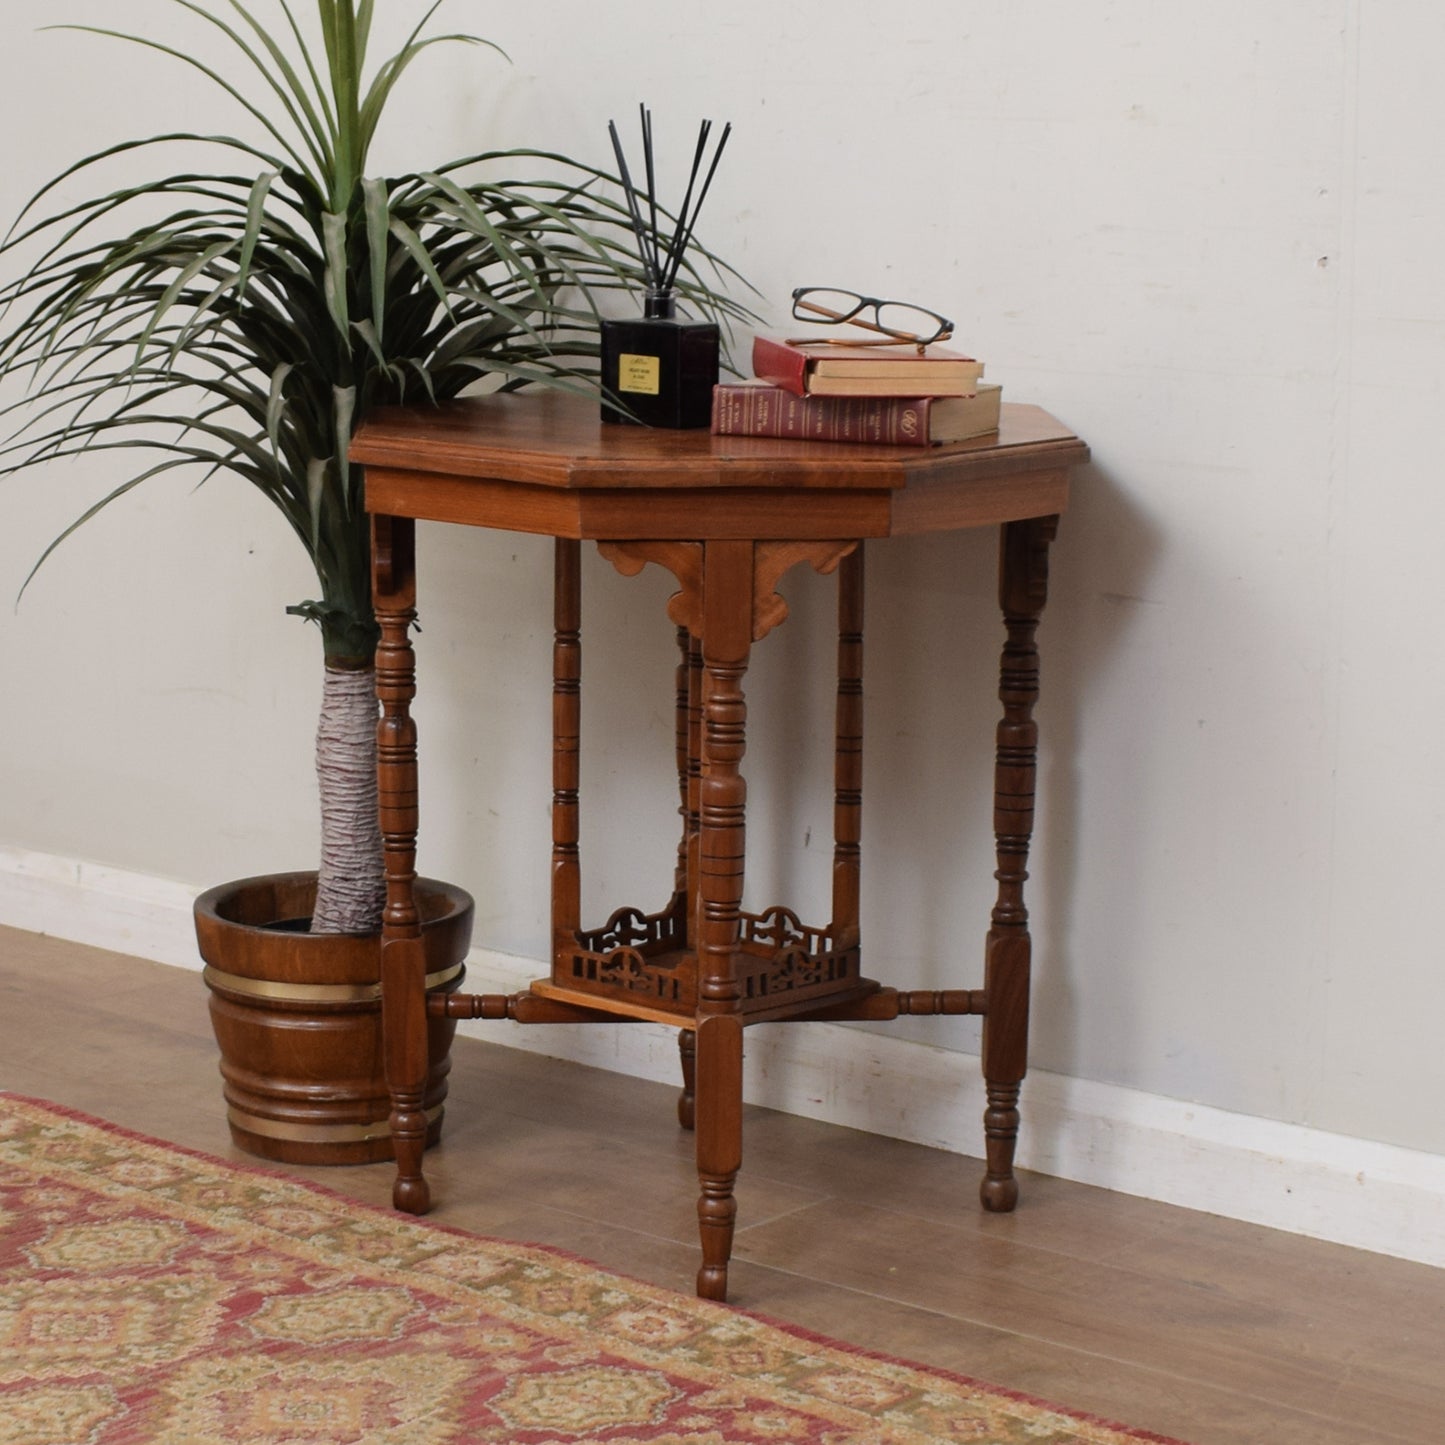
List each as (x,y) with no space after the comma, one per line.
(209,903)
(236,932)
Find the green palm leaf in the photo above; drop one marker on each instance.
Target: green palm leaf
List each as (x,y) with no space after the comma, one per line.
(242,321)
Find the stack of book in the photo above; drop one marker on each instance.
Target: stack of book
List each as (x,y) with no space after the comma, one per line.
(887,395)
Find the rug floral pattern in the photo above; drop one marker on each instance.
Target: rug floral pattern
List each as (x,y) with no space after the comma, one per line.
(152,1296)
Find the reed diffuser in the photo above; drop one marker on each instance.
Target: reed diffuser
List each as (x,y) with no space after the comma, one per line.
(659,369)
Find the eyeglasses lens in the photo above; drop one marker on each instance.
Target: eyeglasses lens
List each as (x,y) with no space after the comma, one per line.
(829,304)
(907,320)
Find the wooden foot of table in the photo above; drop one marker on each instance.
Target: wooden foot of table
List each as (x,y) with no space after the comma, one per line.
(999,1191)
(404,986)
(719,1146)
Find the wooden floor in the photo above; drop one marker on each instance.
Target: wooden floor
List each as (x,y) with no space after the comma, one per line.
(1192,1326)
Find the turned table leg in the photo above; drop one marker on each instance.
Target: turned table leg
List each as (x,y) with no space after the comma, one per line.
(689,775)
(403,961)
(1023,589)
(687,1099)
(566,745)
(848,755)
(726,640)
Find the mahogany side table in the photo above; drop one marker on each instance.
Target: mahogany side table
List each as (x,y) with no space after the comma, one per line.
(727,516)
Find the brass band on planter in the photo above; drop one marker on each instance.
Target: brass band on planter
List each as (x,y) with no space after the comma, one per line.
(317,1133)
(312,992)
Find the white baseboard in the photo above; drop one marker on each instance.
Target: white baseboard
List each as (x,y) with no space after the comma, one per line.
(1358,1192)
(104,907)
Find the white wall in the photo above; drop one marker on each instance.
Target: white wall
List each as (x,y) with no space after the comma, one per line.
(1208,238)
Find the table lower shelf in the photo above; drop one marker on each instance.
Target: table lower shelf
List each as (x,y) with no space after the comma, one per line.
(624,1005)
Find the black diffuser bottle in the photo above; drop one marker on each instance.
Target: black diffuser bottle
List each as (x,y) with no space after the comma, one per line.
(659,369)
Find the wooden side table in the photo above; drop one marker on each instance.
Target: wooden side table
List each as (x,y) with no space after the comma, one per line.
(727,517)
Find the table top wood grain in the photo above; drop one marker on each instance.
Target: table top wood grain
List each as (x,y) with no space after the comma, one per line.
(544,462)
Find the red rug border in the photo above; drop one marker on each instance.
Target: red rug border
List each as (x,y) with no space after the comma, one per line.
(795,1331)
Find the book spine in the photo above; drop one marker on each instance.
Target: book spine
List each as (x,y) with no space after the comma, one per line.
(771,411)
(783,365)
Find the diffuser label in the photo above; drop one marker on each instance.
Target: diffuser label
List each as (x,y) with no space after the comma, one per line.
(639,373)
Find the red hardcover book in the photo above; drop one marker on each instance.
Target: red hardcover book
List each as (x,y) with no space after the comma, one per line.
(759,409)
(821,369)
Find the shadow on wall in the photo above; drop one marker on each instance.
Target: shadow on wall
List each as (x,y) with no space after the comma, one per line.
(1100,571)
(484,714)
(933,639)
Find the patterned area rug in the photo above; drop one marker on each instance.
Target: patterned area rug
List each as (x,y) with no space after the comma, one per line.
(153,1296)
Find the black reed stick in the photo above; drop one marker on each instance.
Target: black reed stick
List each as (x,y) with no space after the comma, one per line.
(629,191)
(685,223)
(645,116)
(661,261)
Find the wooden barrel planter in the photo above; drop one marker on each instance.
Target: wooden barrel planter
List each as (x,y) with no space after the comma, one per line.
(297,1017)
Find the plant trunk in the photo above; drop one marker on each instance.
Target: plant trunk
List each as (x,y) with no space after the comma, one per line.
(351,888)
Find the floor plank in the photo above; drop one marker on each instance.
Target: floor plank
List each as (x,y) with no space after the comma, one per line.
(1212,1331)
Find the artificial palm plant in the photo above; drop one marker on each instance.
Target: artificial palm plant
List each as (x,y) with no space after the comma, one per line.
(243,320)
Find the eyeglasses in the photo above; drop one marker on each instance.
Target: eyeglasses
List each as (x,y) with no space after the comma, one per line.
(895,321)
